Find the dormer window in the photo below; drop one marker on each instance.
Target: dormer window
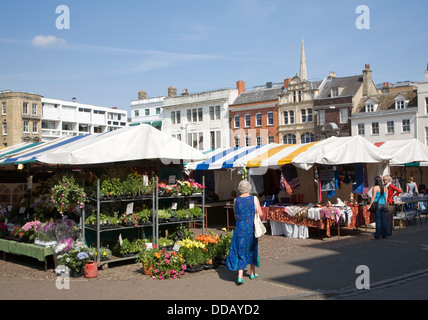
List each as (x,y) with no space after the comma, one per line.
(400,102)
(370,107)
(335,92)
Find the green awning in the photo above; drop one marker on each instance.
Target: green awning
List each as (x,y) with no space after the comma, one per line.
(157,124)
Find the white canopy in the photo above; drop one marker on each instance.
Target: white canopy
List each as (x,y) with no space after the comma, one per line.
(404,151)
(126,144)
(342,150)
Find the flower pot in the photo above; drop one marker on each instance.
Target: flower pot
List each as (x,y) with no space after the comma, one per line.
(77,274)
(148,271)
(194,268)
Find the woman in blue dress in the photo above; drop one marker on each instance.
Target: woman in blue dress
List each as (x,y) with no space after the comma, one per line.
(244,245)
(379,195)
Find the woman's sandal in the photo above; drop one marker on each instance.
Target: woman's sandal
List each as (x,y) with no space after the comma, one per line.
(253,276)
(240,281)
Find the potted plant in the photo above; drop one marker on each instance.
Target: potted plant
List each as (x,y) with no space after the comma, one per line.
(193,253)
(168,265)
(105,253)
(147,258)
(164,214)
(124,250)
(75,259)
(67,194)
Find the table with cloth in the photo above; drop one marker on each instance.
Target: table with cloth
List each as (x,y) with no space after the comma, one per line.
(294,221)
(26,249)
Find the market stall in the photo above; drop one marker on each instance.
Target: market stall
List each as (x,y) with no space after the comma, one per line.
(308,174)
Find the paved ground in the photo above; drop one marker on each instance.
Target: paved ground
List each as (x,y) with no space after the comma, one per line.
(314,268)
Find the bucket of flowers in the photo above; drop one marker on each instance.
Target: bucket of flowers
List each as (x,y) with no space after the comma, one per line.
(210,241)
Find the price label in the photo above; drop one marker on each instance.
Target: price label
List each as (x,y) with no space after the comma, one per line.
(120,239)
(174,206)
(176,247)
(130,208)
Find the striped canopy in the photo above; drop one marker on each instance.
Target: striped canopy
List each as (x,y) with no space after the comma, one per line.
(264,156)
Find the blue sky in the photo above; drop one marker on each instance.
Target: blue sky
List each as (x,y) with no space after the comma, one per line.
(113,50)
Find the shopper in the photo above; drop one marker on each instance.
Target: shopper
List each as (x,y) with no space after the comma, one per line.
(392,191)
(244,245)
(412,188)
(379,195)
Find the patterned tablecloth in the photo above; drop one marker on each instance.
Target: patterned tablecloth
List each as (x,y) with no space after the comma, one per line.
(326,216)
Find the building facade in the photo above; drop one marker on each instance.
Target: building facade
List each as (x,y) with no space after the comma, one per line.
(147,110)
(388,115)
(21,118)
(422,124)
(295,107)
(70,118)
(199,119)
(253,116)
(335,102)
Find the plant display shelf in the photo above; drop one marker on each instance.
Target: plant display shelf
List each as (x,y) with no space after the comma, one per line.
(98,229)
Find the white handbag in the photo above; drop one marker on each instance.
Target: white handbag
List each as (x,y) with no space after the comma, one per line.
(259,227)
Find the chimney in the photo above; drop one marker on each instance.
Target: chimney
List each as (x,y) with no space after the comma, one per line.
(240,85)
(367,81)
(172,92)
(332,75)
(286,82)
(185,92)
(74,99)
(386,88)
(142,95)
(426,73)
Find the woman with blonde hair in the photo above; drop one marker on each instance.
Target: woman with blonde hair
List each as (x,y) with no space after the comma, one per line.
(244,245)
(392,191)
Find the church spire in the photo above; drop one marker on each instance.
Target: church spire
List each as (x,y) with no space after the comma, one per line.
(303,72)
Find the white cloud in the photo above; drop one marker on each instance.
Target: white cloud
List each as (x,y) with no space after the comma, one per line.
(44,41)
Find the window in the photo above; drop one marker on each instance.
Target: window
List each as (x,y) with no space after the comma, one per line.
(321,115)
(214,113)
(136,113)
(175,117)
(375,128)
(146,112)
(270,139)
(25,108)
(361,130)
(35,127)
(270,118)
(400,104)
(343,115)
(199,114)
(157,110)
(247,120)
(390,127)
(3,108)
(285,116)
(406,125)
(289,139)
(306,115)
(196,139)
(258,140)
(217,112)
(335,92)
(215,139)
(307,137)
(4,129)
(177,136)
(195,115)
(34,109)
(426,106)
(370,108)
(258,119)
(236,141)
(236,120)
(300,96)
(25,126)
(248,140)
(294,97)
(426,135)
(291,117)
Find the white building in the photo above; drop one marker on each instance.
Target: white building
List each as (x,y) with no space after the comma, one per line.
(422,124)
(389,115)
(199,119)
(70,118)
(147,110)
